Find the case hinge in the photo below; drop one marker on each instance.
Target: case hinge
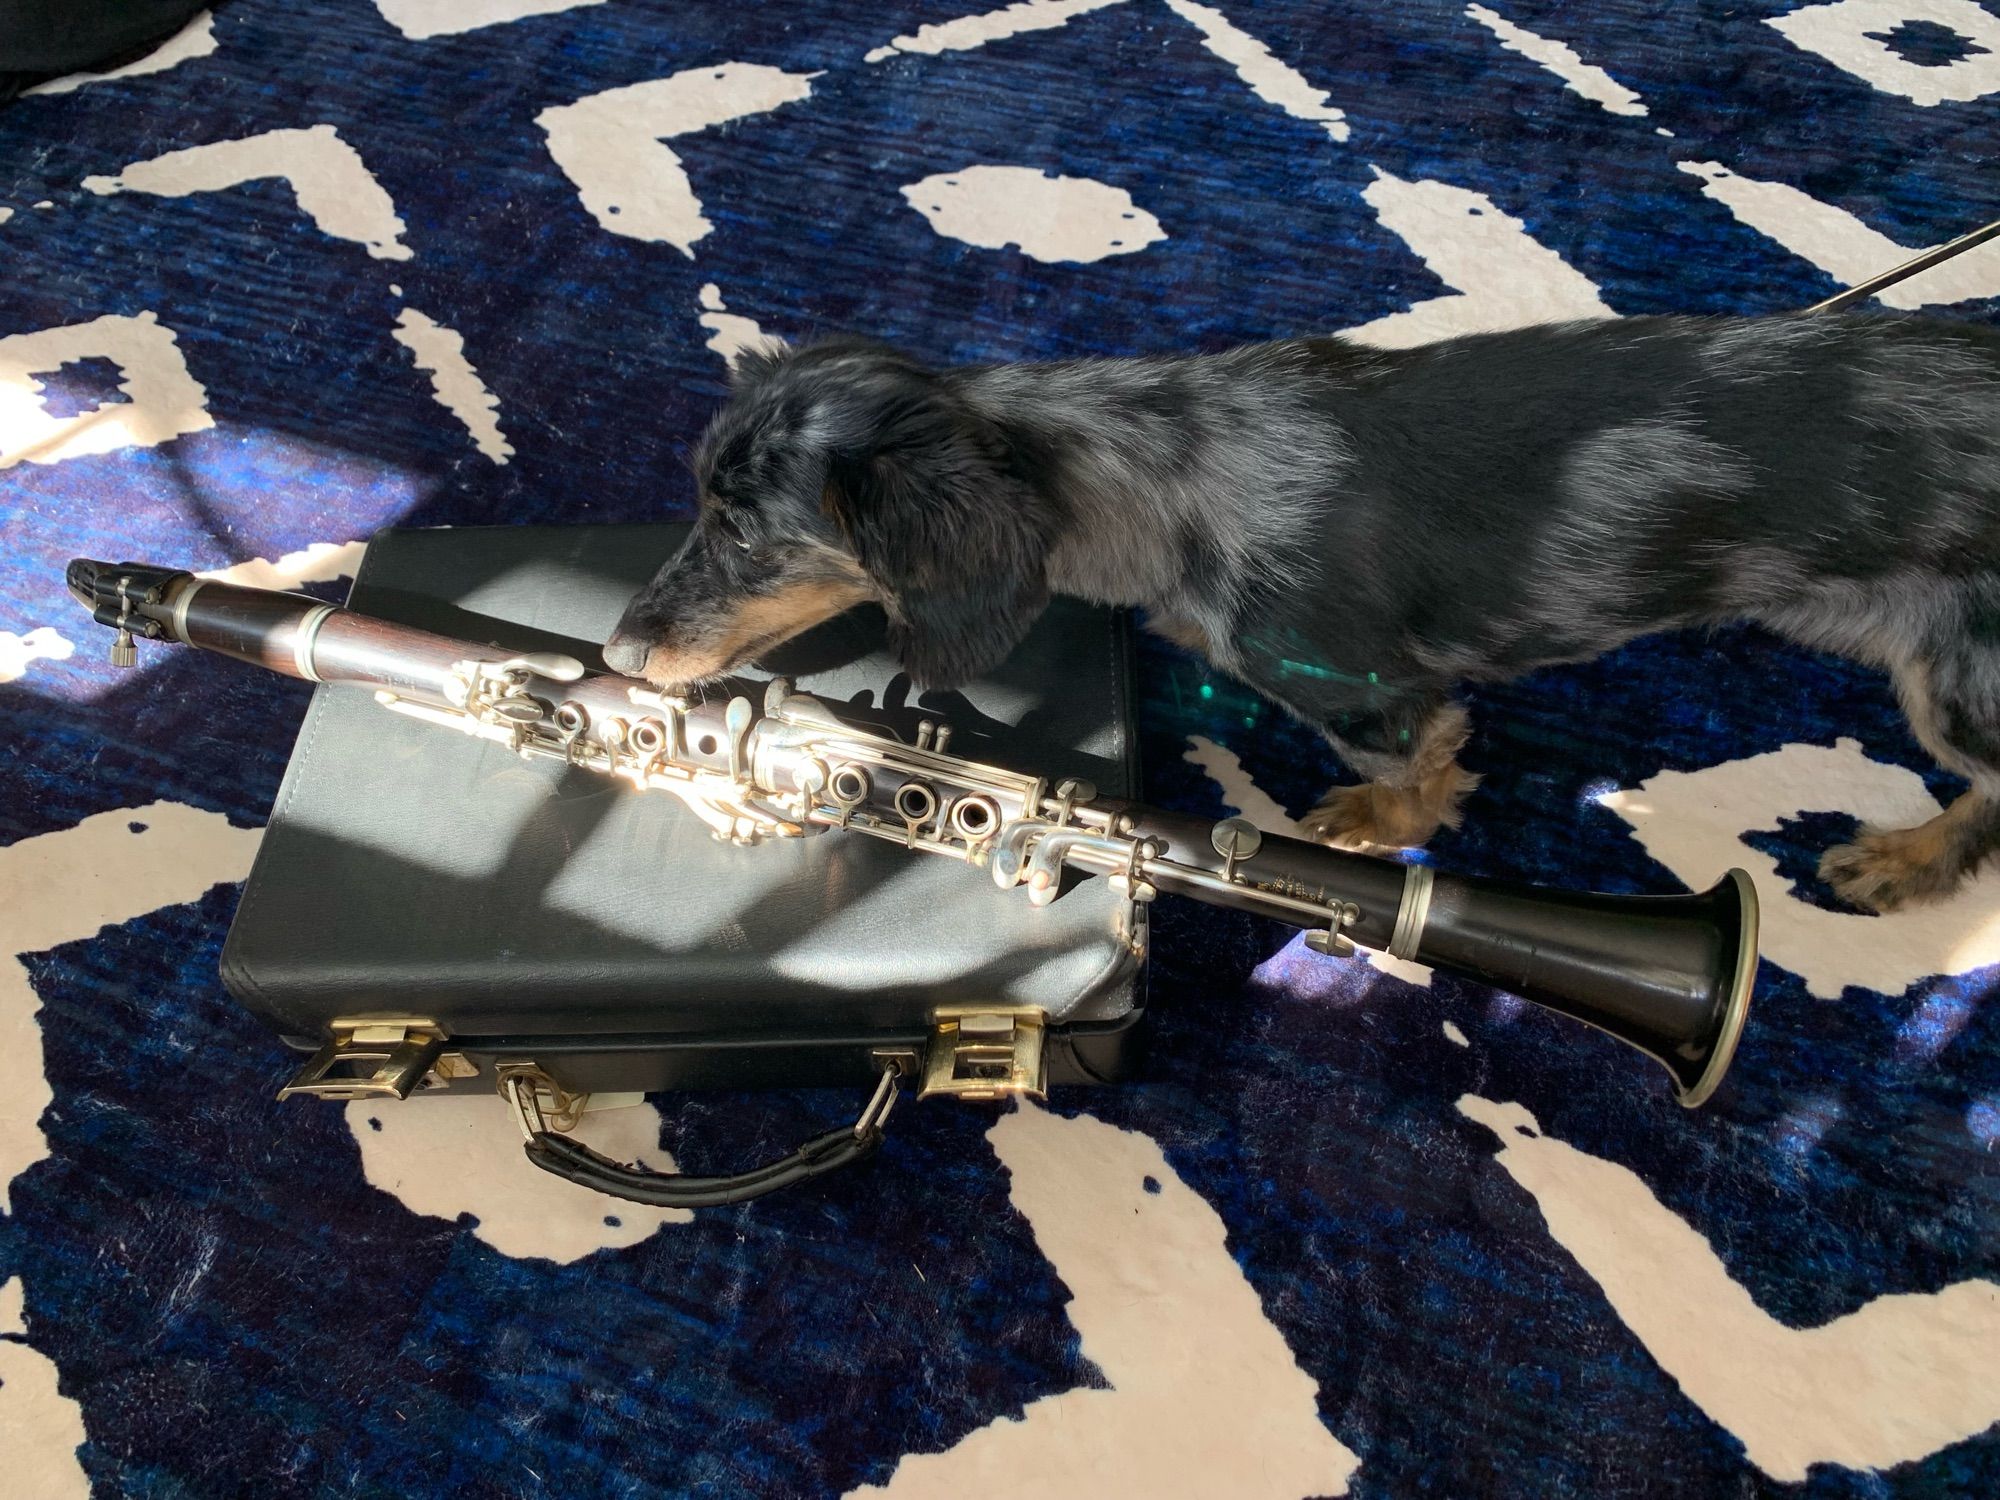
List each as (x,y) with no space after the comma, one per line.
(985,1052)
(378,1060)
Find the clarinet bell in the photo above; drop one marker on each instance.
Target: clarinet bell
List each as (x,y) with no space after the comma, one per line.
(1668,975)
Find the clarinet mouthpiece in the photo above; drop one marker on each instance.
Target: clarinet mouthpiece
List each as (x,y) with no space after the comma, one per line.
(118,595)
(80,577)
(96,585)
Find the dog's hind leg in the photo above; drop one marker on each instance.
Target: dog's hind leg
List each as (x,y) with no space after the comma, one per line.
(1952,699)
(1416,783)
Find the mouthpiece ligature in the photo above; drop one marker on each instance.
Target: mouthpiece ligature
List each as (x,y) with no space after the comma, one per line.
(117,595)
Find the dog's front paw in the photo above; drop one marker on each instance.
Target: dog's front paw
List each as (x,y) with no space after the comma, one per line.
(1885,871)
(1369,816)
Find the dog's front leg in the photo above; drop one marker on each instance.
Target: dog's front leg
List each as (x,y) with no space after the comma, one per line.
(1415,785)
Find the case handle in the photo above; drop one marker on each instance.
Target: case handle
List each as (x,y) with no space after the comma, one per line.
(575,1162)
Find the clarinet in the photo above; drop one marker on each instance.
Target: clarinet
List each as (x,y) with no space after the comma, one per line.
(1669,975)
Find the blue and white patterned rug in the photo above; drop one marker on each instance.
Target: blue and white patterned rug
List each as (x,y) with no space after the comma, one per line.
(316,268)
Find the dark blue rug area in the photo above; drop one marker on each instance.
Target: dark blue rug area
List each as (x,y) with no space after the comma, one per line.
(319,268)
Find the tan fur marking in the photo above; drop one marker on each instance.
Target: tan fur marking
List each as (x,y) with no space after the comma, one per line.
(1183,633)
(761,621)
(1888,868)
(1404,811)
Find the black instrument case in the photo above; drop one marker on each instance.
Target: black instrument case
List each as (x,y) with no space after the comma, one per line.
(536,913)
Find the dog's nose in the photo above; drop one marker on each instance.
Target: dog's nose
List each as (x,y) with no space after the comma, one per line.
(625,654)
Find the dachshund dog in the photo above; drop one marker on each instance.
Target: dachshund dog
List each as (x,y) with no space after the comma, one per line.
(1353,532)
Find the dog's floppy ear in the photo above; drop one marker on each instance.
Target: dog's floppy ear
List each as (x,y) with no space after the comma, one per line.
(956,543)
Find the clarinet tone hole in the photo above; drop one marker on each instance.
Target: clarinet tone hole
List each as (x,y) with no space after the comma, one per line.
(915,801)
(848,786)
(974,817)
(708,744)
(649,736)
(572,719)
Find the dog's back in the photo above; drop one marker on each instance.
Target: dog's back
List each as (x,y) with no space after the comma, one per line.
(1545,495)
(1551,492)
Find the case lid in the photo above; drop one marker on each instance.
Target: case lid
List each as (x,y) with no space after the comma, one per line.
(413,871)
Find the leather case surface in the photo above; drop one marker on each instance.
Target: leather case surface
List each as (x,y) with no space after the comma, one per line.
(540,911)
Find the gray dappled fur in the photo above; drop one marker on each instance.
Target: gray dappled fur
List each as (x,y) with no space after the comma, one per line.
(1354,531)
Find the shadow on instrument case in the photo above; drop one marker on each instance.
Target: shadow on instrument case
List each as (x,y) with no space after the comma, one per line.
(432,902)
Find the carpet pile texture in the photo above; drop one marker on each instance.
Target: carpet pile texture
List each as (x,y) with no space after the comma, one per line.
(315,269)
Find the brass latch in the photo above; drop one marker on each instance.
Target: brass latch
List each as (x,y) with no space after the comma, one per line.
(985,1052)
(378,1060)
